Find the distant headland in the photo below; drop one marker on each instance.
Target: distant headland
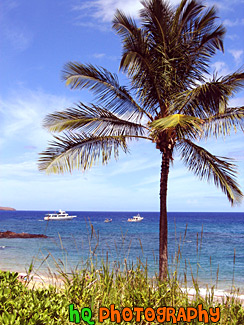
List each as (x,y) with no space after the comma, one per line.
(7,209)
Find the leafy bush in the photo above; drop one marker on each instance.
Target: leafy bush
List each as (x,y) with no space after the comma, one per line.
(20,305)
(95,288)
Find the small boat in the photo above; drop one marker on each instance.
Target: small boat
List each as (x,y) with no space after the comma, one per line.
(135,218)
(108,220)
(61,215)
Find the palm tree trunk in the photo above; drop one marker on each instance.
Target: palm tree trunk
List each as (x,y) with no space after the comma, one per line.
(163,227)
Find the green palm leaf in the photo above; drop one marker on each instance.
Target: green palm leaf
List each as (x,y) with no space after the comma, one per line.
(157,17)
(207,99)
(94,120)
(223,123)
(125,25)
(186,12)
(138,61)
(196,38)
(73,151)
(104,84)
(207,166)
(182,125)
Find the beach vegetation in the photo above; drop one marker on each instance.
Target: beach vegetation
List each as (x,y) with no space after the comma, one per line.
(22,304)
(171,99)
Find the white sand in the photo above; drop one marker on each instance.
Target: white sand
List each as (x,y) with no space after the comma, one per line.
(219,294)
(40,281)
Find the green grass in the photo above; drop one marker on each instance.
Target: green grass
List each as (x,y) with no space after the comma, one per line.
(95,288)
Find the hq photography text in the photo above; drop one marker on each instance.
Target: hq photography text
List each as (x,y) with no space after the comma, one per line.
(161,314)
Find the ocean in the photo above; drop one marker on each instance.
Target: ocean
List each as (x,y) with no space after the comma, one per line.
(211,244)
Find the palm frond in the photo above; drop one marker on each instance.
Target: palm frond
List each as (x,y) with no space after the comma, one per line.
(157,21)
(182,125)
(197,38)
(124,25)
(104,84)
(138,62)
(207,166)
(208,98)
(79,151)
(187,12)
(212,41)
(209,36)
(223,123)
(94,120)
(233,82)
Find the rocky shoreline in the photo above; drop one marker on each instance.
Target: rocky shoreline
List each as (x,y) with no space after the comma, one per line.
(11,234)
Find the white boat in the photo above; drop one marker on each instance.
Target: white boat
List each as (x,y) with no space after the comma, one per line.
(135,218)
(108,220)
(61,215)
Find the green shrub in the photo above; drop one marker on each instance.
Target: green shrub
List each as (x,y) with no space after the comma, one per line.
(95,288)
(20,305)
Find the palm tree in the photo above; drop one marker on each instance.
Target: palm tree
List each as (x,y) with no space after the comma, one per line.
(167,101)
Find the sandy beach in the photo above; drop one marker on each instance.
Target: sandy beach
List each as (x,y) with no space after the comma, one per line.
(37,281)
(219,295)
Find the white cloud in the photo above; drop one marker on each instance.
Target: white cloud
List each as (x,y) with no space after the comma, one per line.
(91,24)
(135,164)
(233,23)
(20,39)
(98,55)
(232,37)
(237,54)
(91,191)
(17,35)
(19,170)
(221,5)
(149,180)
(22,115)
(221,68)
(104,56)
(237,101)
(105,9)
(8,6)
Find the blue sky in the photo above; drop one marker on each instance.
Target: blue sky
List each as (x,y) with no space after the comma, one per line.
(37,39)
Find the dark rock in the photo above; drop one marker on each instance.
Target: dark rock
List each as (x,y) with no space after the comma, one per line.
(11,234)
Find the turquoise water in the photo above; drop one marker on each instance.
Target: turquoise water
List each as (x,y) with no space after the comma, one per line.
(71,242)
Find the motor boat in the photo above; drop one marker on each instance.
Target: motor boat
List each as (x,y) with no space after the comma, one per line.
(135,218)
(61,215)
